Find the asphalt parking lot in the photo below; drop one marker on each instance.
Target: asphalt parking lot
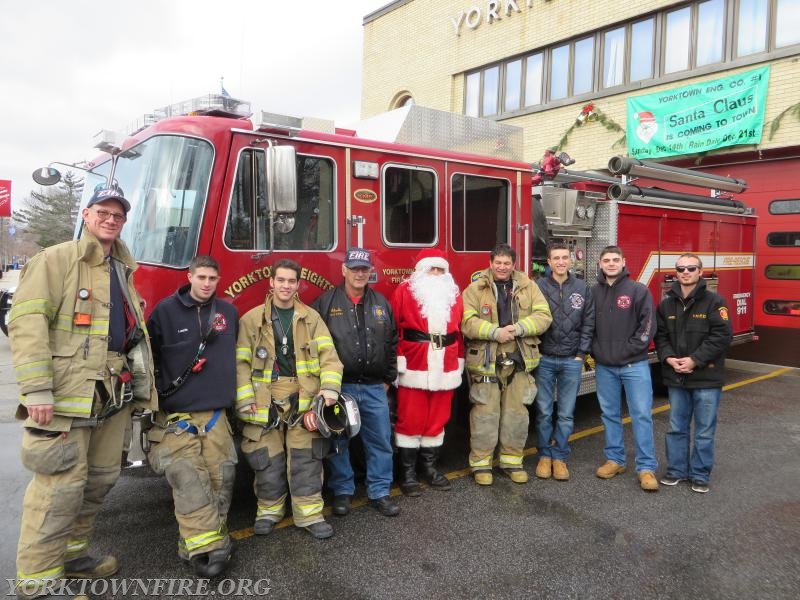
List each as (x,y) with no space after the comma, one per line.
(586,538)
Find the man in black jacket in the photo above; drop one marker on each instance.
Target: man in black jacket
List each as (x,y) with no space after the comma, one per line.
(693,334)
(193,335)
(563,347)
(365,336)
(624,328)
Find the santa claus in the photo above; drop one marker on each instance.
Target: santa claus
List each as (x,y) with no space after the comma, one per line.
(430,358)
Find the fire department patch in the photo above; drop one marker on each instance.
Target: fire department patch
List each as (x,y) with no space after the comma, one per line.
(378,313)
(723,313)
(220,324)
(486,310)
(624,302)
(576,301)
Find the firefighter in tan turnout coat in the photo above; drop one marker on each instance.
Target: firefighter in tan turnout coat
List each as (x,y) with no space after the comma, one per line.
(504,314)
(284,358)
(81,360)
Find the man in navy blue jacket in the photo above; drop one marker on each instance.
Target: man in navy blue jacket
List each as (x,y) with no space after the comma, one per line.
(193,335)
(693,334)
(624,328)
(563,347)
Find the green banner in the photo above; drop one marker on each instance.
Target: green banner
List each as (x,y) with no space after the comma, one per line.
(699,117)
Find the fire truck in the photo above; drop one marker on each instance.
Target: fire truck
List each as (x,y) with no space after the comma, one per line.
(203,178)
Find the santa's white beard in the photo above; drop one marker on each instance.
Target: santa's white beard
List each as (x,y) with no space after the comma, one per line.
(435,295)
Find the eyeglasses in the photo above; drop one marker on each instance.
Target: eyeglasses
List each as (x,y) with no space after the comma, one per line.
(690,268)
(107,214)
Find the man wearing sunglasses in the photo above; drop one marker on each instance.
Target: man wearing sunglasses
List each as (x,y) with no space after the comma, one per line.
(693,333)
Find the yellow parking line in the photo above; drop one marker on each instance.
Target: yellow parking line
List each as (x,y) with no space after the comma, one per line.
(240,534)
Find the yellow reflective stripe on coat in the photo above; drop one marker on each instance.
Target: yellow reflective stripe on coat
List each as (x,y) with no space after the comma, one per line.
(305,367)
(243,392)
(66,323)
(511,459)
(485,330)
(484,462)
(73,405)
(32,370)
(203,539)
(531,363)
(333,378)
(323,341)
(37,306)
(467,314)
(479,370)
(260,417)
(244,354)
(266,378)
(529,323)
(304,404)
(306,510)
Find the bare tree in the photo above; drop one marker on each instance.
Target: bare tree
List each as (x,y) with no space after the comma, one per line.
(50,214)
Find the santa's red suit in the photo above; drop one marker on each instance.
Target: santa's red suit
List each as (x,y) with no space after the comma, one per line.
(428,371)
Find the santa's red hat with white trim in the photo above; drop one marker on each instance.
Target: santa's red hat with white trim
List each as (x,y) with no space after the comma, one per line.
(430,258)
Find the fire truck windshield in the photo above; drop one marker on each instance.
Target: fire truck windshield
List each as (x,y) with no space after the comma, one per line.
(165,178)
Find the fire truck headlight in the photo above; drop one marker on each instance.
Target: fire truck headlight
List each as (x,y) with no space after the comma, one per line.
(580,211)
(590,212)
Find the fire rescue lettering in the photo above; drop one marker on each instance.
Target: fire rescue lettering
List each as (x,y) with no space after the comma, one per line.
(264,273)
(397,275)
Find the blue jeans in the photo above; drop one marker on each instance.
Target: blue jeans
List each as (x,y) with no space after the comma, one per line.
(635,378)
(559,375)
(376,436)
(703,404)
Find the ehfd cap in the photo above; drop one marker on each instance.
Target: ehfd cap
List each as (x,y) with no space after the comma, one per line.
(429,258)
(357,257)
(109,193)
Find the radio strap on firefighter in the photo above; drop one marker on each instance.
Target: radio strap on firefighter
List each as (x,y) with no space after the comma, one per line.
(198,361)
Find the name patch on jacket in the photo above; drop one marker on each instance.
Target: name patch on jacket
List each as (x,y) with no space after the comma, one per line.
(335,312)
(624,302)
(378,313)
(576,301)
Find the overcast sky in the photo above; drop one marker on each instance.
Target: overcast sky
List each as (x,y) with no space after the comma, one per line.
(69,68)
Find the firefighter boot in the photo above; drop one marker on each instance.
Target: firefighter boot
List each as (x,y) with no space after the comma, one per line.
(210,564)
(408,472)
(88,567)
(23,595)
(428,457)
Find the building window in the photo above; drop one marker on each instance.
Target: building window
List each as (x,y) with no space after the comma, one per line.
(680,40)
(642,39)
(409,205)
(783,239)
(480,212)
(751,33)
(710,32)
(513,88)
(784,207)
(677,42)
(787,23)
(614,57)
(534,65)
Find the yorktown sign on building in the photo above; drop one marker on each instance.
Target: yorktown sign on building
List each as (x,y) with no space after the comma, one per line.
(491,12)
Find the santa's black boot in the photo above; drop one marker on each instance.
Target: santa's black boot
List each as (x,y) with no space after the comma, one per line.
(428,457)
(408,472)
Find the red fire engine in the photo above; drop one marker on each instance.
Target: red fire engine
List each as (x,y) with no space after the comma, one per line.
(215,183)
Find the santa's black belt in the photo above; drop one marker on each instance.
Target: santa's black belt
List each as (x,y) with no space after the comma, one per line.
(440,340)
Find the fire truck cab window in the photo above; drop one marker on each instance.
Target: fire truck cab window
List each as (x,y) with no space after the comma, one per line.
(165,178)
(310,228)
(409,206)
(480,212)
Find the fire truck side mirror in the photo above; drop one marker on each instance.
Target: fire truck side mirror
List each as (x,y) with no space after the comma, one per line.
(46,176)
(282,179)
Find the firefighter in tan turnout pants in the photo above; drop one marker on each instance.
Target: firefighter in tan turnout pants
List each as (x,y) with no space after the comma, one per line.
(81,360)
(193,335)
(504,314)
(284,358)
